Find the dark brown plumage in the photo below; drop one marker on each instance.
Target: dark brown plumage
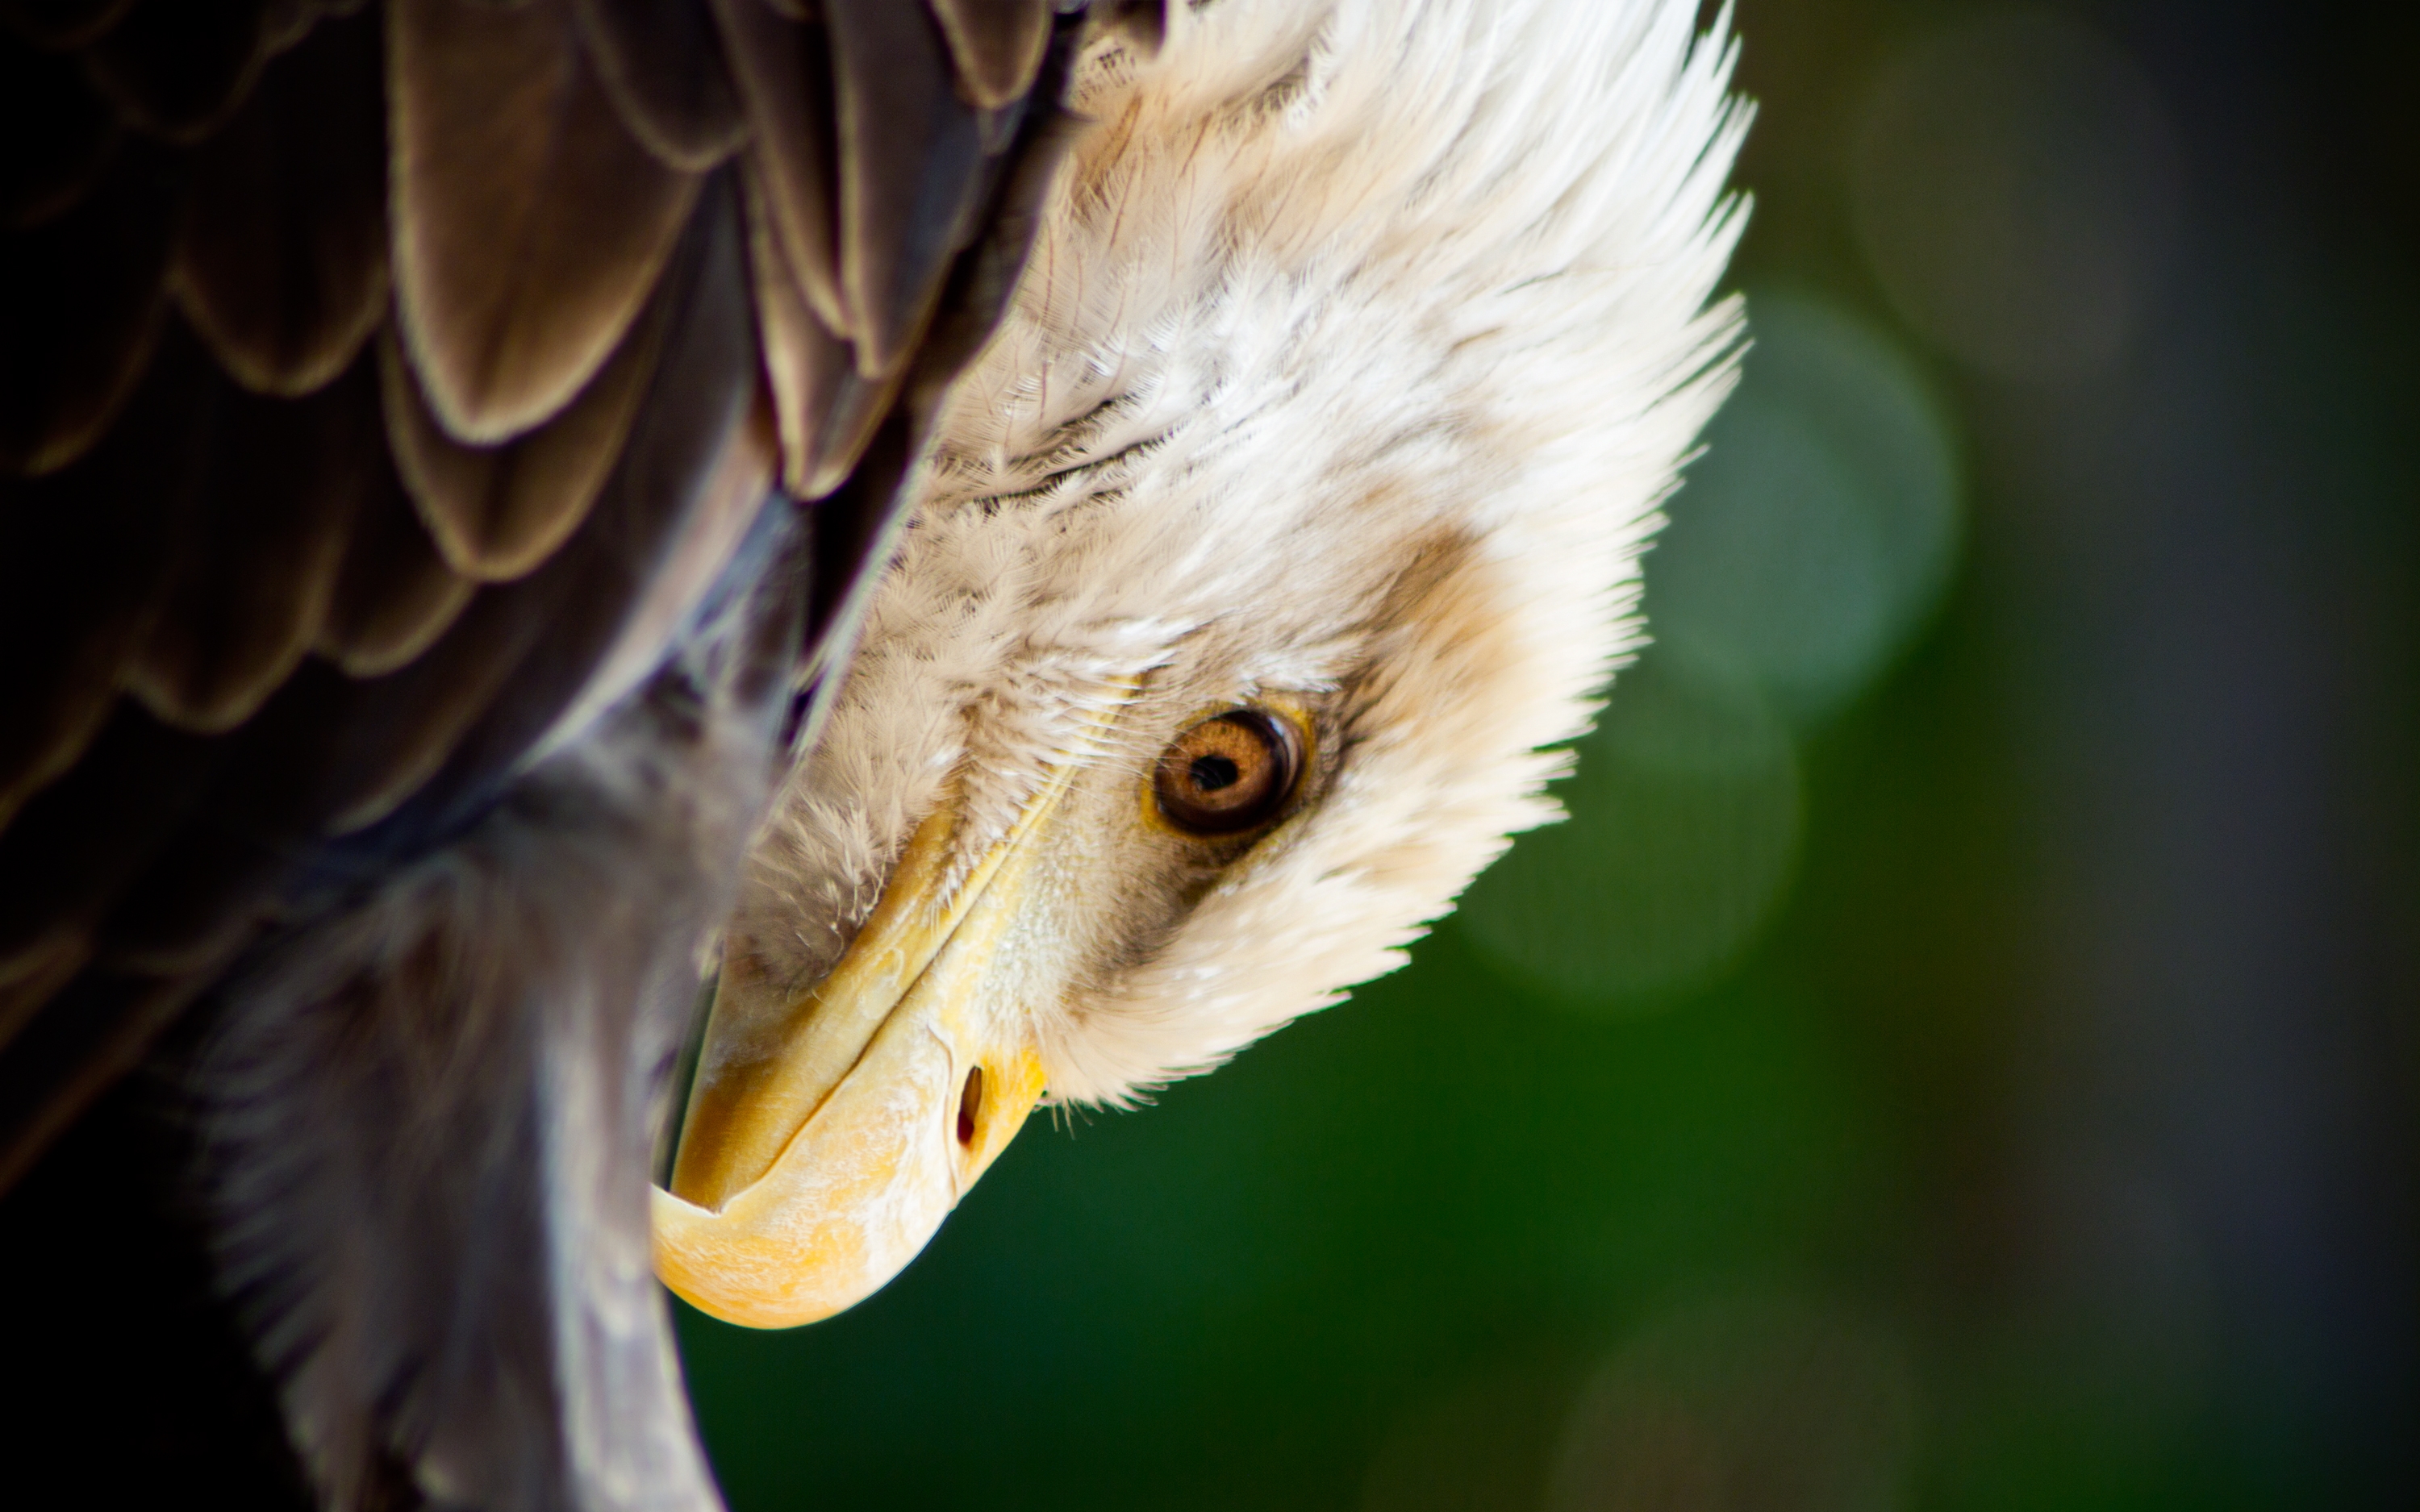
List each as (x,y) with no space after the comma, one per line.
(436,438)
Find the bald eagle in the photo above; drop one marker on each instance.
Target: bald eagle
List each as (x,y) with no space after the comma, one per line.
(1022,546)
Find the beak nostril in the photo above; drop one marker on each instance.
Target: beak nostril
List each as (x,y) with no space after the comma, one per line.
(970,1104)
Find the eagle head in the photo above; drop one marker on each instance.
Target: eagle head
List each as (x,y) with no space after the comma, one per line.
(1256,570)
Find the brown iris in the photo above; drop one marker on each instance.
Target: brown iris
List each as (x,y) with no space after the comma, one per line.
(1232,772)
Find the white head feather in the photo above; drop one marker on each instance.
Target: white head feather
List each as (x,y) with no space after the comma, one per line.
(1361,344)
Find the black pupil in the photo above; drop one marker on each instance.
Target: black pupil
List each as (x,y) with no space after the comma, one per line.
(1231,773)
(1211,773)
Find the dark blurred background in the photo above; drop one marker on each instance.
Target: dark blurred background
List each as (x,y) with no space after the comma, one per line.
(1961,1053)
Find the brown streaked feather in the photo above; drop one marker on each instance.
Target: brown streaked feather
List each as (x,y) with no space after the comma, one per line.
(812,371)
(378,742)
(59,692)
(860,406)
(497,512)
(783,71)
(697,470)
(177,68)
(528,224)
(264,531)
(450,725)
(83,553)
(78,845)
(281,254)
(997,45)
(199,902)
(55,134)
(395,594)
(662,60)
(72,1050)
(911,171)
(302,767)
(80,304)
(331,753)
(63,23)
(416,739)
(290,21)
(29,979)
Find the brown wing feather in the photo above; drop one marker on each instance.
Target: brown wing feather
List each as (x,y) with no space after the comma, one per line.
(95,1030)
(394,594)
(997,45)
(662,60)
(175,68)
(214,537)
(529,223)
(86,550)
(75,848)
(496,512)
(169,533)
(911,171)
(81,297)
(699,463)
(55,134)
(265,516)
(783,71)
(813,372)
(281,253)
(370,627)
(63,23)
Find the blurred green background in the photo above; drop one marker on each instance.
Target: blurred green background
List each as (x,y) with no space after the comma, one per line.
(1959,1055)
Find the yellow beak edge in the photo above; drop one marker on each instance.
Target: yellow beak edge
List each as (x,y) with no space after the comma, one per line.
(811,1173)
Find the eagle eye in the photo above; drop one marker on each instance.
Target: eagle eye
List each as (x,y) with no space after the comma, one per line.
(1228,773)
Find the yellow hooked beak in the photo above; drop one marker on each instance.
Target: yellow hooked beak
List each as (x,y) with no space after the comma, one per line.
(818,1157)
